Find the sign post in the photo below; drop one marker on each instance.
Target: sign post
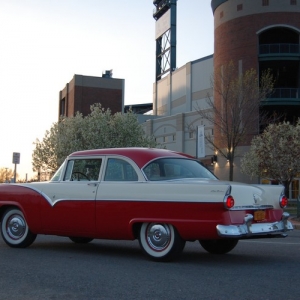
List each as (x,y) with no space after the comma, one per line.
(16,160)
(200,142)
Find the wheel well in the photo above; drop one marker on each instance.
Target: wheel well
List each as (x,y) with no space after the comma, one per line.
(136,229)
(4,208)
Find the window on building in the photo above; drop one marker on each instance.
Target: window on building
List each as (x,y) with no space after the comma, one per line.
(191,134)
(62,110)
(239,7)
(221,14)
(293,2)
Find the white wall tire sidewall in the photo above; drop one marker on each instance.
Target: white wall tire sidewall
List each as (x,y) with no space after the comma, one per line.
(5,235)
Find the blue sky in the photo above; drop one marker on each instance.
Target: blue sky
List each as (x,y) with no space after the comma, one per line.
(45,42)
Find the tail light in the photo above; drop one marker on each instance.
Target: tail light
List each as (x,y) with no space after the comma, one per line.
(283,201)
(228,201)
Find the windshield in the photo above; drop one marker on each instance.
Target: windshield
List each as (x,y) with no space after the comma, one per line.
(176,168)
(57,174)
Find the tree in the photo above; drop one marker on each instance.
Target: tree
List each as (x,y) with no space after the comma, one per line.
(235,110)
(274,154)
(44,156)
(6,174)
(100,129)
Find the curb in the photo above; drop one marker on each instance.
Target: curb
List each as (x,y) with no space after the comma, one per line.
(295,224)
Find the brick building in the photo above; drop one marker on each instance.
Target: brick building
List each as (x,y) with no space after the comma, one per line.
(83,91)
(262,34)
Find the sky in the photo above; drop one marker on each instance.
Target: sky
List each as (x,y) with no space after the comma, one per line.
(43,43)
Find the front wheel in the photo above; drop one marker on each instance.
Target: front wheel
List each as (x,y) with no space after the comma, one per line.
(161,242)
(218,246)
(14,229)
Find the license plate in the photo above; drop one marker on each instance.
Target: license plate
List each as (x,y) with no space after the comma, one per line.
(259,215)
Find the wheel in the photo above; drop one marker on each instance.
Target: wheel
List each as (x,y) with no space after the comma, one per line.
(14,229)
(80,240)
(161,242)
(218,246)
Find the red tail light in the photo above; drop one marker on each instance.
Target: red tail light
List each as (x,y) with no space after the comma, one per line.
(229,202)
(283,201)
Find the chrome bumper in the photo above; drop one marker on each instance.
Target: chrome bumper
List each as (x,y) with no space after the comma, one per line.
(248,229)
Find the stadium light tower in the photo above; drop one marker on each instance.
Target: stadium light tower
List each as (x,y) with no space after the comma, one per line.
(165,36)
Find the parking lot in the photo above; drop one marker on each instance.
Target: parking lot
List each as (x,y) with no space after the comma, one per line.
(55,268)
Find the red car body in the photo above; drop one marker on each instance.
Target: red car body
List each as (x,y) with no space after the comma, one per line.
(161,197)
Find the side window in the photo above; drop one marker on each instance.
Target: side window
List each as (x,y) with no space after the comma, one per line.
(119,170)
(83,170)
(152,171)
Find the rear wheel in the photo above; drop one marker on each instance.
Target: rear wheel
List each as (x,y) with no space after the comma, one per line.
(14,229)
(218,246)
(161,242)
(80,240)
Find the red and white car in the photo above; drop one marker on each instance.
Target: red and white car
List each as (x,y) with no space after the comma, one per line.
(160,197)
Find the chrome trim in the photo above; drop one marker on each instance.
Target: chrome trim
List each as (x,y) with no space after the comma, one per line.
(33,188)
(248,229)
(252,207)
(158,236)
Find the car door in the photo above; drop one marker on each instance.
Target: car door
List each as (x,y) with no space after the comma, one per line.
(120,181)
(70,209)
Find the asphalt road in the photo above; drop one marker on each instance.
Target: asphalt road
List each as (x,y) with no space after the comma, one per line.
(56,268)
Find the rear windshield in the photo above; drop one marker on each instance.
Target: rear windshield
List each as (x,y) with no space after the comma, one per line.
(176,168)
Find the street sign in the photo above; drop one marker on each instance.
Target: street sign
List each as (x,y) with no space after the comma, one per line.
(16,158)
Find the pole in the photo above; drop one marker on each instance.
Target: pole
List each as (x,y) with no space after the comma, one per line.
(15,174)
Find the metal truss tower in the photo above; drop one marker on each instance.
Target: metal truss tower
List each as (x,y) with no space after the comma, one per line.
(165,35)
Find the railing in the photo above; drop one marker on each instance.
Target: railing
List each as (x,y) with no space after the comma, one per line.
(279,49)
(288,93)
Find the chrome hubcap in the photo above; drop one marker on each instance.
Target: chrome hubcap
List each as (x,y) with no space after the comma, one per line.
(158,236)
(16,227)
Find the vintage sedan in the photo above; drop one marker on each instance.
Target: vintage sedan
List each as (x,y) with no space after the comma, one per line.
(160,197)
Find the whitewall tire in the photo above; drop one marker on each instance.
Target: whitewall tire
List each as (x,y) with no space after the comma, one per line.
(14,229)
(161,242)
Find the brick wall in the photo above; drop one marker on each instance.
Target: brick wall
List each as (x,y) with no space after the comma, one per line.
(86,96)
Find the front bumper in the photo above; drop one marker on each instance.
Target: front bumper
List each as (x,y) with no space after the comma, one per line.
(250,230)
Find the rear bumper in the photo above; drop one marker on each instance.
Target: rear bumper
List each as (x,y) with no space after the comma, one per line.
(250,230)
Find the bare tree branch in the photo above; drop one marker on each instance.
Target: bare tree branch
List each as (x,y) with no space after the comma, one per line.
(234,111)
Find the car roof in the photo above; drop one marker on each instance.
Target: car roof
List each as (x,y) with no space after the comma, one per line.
(140,156)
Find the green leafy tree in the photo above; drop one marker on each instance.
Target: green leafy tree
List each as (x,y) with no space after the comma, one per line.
(274,154)
(100,129)
(235,109)
(44,156)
